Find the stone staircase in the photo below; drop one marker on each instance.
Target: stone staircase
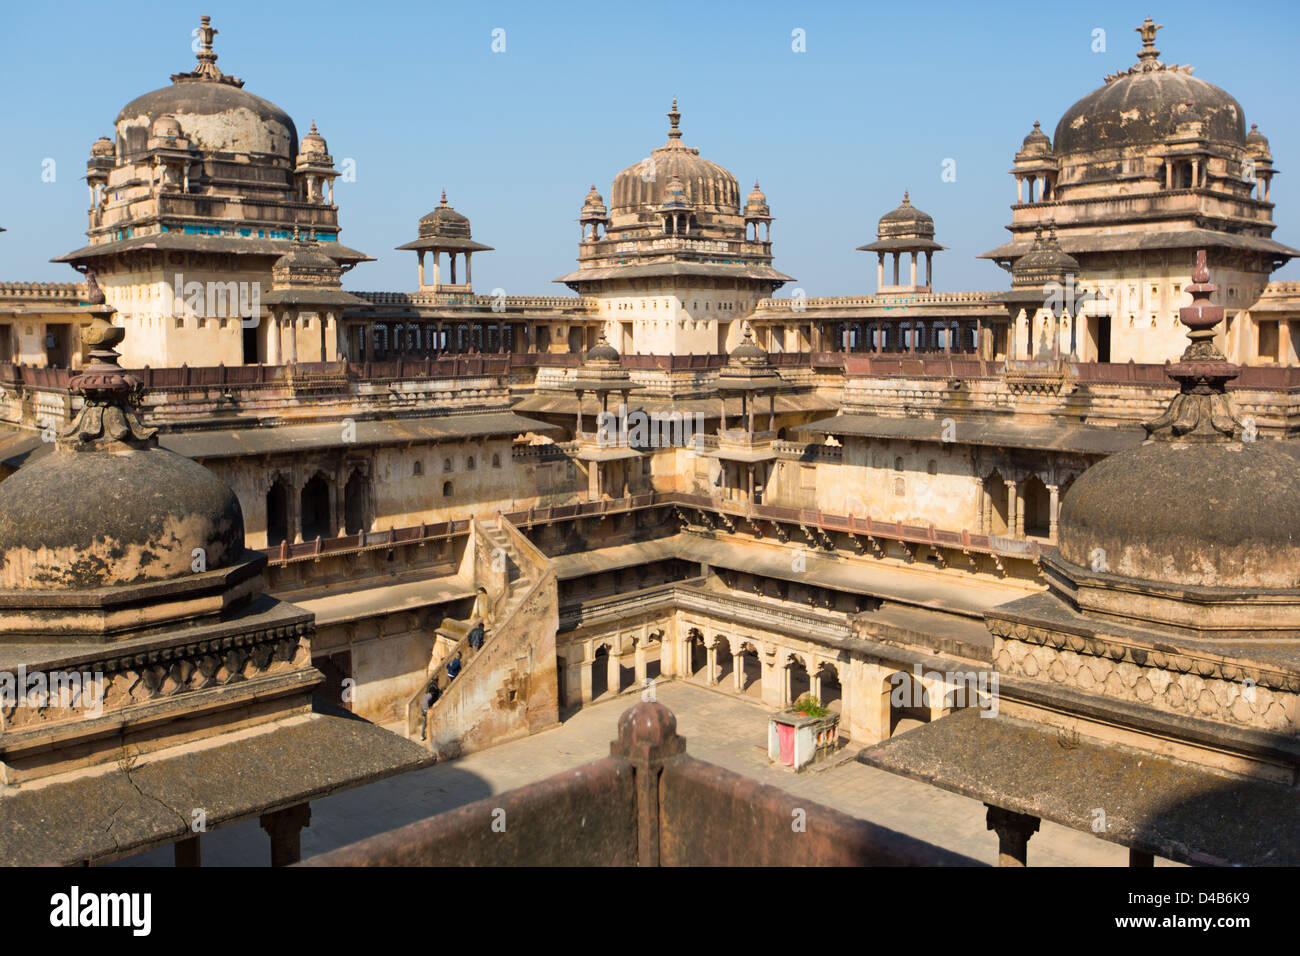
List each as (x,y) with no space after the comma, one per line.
(506,688)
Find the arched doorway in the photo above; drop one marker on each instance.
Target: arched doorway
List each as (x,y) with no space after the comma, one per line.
(907,701)
(1038,508)
(356,500)
(828,689)
(316,508)
(996,517)
(697,656)
(799,682)
(600,671)
(277,514)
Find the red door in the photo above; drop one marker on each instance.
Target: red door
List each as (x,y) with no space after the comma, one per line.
(785,734)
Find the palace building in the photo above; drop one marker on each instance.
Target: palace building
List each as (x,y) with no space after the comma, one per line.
(838,496)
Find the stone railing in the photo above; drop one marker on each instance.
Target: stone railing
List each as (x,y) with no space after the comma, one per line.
(799,304)
(67,293)
(482,302)
(647,804)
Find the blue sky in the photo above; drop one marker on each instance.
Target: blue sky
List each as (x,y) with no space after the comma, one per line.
(414,94)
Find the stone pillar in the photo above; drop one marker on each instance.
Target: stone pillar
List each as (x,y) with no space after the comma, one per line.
(980,497)
(188,852)
(469,274)
(587,664)
(1020,189)
(929,262)
(711,663)
(738,671)
(896,268)
(815,683)
(1053,507)
(612,672)
(1014,831)
(437,267)
(785,684)
(293,337)
(912,283)
(273,340)
(573,682)
(647,736)
(1020,512)
(420,256)
(285,829)
(880,271)
(639,661)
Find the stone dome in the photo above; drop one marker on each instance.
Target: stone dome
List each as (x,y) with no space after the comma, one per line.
(1256,141)
(444,221)
(1144,106)
(1037,141)
(313,144)
(213,109)
(602,351)
(1207,515)
(756,204)
(114,518)
(706,186)
(906,220)
(305,257)
(102,147)
(593,206)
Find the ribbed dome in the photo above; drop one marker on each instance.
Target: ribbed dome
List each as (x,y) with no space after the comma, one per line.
(113,518)
(313,144)
(1145,105)
(705,185)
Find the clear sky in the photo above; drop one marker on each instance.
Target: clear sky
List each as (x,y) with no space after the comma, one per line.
(413,93)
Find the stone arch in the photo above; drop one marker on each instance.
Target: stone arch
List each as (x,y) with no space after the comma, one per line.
(600,670)
(906,702)
(798,680)
(997,515)
(748,675)
(827,686)
(277,513)
(315,510)
(356,503)
(697,654)
(1038,510)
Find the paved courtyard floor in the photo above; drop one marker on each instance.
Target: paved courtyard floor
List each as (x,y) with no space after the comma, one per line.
(720,728)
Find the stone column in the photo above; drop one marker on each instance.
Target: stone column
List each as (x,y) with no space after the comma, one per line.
(785,684)
(1053,507)
(639,661)
(1020,189)
(711,663)
(437,267)
(285,829)
(573,682)
(913,280)
(1011,507)
(929,262)
(420,256)
(188,852)
(815,683)
(612,672)
(469,273)
(1014,831)
(587,664)
(981,494)
(273,340)
(293,337)
(738,672)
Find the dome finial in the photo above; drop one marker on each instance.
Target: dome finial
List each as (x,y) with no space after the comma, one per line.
(444,198)
(1148,32)
(906,200)
(674,117)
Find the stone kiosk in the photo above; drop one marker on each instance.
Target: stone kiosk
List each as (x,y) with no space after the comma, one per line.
(1152,694)
(151,689)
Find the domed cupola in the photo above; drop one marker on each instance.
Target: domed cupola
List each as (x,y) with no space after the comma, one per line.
(1257,142)
(104,147)
(1036,143)
(904,231)
(757,212)
(1142,106)
(313,145)
(217,114)
(444,230)
(639,191)
(594,216)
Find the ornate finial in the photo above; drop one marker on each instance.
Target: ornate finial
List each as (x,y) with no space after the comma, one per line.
(906,201)
(674,117)
(444,198)
(1201,411)
(1036,124)
(1148,33)
(107,419)
(296,237)
(1038,233)
(206,70)
(313,127)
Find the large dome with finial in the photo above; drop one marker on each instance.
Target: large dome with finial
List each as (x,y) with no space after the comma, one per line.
(114,508)
(1200,503)
(215,112)
(706,186)
(1145,104)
